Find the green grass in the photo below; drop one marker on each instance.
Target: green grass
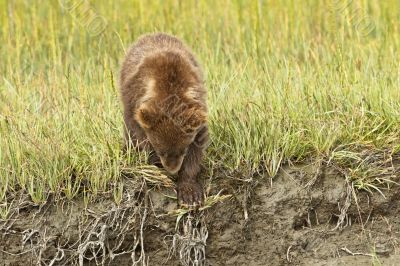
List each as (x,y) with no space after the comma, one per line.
(287,81)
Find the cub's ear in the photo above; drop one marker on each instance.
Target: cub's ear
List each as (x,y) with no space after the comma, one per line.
(197,120)
(194,94)
(201,118)
(145,117)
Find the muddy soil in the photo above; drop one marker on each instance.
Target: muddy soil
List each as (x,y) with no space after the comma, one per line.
(294,219)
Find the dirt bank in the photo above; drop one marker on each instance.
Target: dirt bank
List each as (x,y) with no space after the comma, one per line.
(294,219)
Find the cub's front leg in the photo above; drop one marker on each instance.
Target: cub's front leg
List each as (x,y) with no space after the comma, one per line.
(189,189)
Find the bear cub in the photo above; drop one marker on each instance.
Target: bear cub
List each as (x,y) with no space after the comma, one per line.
(165,111)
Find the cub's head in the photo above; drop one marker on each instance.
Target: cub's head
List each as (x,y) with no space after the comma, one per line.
(170,132)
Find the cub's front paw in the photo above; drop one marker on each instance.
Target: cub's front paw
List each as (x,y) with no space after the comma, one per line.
(190,193)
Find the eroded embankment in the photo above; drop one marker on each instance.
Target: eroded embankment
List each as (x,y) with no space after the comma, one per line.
(295,219)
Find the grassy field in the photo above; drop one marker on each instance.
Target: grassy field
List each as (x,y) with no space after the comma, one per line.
(287,81)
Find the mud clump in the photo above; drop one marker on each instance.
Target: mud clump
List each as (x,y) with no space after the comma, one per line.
(289,221)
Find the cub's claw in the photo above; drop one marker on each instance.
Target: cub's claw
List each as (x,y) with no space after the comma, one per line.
(190,193)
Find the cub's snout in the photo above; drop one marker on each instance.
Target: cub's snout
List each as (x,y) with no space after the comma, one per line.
(172,165)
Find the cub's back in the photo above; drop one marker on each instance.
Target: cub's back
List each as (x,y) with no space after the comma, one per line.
(148,45)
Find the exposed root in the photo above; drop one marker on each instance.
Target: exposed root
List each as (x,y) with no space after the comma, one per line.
(313,180)
(142,257)
(343,220)
(190,240)
(103,238)
(103,234)
(288,257)
(356,253)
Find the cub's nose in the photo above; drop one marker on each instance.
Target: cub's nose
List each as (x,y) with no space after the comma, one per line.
(172,171)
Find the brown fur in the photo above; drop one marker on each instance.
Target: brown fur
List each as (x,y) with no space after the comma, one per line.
(165,110)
